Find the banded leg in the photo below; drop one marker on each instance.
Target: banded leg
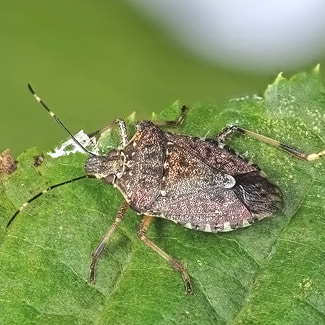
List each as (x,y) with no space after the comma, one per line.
(99,249)
(122,129)
(176,264)
(229,130)
(173,123)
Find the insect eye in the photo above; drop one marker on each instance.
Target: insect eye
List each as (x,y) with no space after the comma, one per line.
(113,153)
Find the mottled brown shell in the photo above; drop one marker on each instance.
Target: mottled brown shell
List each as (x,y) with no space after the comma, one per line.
(199,183)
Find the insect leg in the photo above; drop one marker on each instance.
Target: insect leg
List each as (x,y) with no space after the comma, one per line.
(179,266)
(122,129)
(178,121)
(99,249)
(229,130)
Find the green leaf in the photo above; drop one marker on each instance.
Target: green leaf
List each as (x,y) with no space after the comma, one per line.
(270,273)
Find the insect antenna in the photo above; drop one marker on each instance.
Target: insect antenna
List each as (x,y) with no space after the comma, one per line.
(62,183)
(43,192)
(58,121)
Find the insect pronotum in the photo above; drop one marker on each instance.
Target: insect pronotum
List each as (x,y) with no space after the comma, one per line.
(199,183)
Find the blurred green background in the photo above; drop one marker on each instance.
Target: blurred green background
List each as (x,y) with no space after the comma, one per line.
(93,61)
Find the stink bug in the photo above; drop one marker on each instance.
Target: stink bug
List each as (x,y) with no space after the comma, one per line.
(200,183)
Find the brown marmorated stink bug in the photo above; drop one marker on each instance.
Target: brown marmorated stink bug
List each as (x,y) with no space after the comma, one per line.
(200,183)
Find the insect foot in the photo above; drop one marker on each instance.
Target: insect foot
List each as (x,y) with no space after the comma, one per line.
(177,265)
